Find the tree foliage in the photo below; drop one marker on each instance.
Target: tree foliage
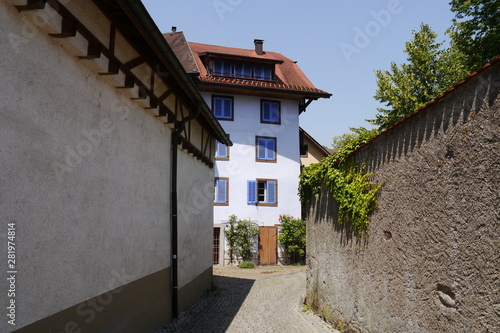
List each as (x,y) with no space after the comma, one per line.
(430,70)
(240,237)
(476,30)
(293,236)
(340,141)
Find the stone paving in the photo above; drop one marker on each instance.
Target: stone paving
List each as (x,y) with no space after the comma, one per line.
(262,299)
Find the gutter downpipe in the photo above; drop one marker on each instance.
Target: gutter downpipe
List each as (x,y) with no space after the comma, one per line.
(173,211)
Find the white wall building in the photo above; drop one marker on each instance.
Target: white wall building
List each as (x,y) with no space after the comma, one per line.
(91,96)
(257,96)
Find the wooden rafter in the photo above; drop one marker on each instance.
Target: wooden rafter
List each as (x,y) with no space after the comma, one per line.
(69,28)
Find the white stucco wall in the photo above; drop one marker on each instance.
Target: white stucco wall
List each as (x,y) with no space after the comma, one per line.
(85,176)
(242,165)
(195,227)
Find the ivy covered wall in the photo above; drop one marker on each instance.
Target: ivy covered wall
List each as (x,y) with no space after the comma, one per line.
(429,259)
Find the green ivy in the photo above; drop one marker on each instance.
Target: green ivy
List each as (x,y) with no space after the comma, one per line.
(348,183)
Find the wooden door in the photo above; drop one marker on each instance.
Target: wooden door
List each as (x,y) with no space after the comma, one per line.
(268,249)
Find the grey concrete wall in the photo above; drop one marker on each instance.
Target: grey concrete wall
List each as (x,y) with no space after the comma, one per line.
(85,176)
(430,262)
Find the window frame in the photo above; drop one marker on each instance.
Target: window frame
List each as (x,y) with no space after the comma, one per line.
(223,158)
(269,183)
(267,121)
(266,160)
(231,98)
(216,193)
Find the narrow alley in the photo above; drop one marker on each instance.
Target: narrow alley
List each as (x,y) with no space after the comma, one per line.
(262,299)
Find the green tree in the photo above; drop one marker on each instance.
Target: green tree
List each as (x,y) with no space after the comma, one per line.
(476,30)
(340,141)
(430,71)
(293,236)
(240,237)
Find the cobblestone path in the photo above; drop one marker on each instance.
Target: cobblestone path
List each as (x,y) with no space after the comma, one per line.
(263,299)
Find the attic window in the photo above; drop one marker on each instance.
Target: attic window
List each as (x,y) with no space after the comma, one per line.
(242,70)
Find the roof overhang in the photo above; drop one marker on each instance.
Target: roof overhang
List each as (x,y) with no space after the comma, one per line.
(260,90)
(132,17)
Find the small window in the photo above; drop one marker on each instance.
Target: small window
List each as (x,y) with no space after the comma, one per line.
(265,149)
(221,151)
(221,191)
(222,107)
(262,192)
(270,112)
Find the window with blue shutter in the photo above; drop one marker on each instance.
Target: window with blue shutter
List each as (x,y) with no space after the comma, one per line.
(265,149)
(222,107)
(270,112)
(221,191)
(252,191)
(262,192)
(221,151)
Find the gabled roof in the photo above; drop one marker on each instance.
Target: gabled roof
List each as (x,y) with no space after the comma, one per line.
(316,143)
(178,42)
(290,79)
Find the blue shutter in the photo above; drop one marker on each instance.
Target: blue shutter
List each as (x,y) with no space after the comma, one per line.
(220,150)
(270,149)
(266,112)
(228,108)
(252,191)
(221,188)
(261,148)
(218,107)
(271,192)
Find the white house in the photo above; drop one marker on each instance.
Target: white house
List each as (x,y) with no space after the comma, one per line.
(105,142)
(257,96)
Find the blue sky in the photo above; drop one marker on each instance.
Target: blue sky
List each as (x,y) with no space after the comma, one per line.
(337,44)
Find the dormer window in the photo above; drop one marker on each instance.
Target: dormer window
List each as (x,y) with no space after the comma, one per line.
(224,68)
(242,70)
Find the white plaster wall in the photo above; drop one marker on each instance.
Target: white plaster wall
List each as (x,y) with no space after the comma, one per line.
(84,174)
(242,165)
(195,221)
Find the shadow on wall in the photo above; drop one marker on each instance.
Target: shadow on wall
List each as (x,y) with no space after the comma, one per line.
(426,124)
(326,210)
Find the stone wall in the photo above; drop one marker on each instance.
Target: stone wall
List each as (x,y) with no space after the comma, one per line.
(431,260)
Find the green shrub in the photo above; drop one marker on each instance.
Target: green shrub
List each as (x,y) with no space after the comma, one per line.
(293,236)
(240,237)
(246,264)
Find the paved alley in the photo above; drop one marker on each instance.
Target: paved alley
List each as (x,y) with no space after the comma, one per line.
(263,299)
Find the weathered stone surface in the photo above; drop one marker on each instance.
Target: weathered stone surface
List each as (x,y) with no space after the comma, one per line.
(431,261)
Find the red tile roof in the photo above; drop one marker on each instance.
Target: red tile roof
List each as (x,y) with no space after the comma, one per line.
(289,75)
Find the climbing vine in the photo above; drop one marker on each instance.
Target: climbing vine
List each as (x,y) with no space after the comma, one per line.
(347,181)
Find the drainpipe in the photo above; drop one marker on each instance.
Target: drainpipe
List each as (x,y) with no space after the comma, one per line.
(173,209)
